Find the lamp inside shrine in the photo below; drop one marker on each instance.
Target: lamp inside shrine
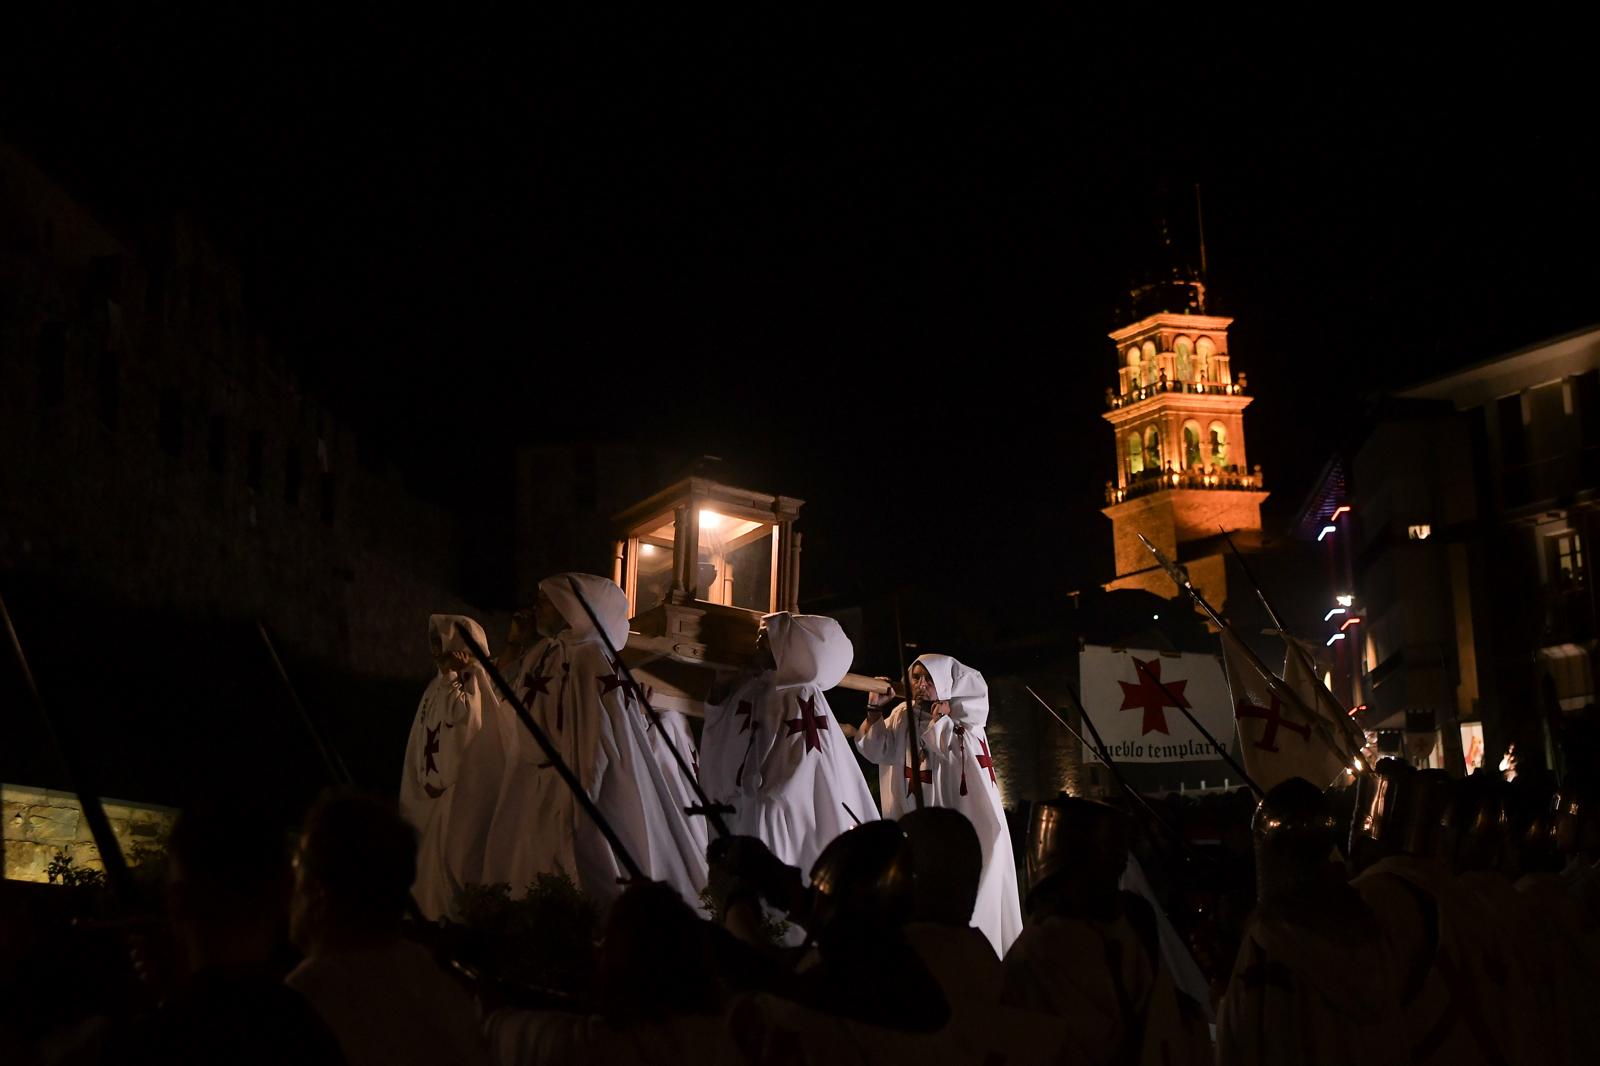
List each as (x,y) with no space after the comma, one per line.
(701,562)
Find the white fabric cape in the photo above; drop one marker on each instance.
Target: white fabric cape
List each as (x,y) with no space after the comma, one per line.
(448,721)
(1297,998)
(582,700)
(960,775)
(773,749)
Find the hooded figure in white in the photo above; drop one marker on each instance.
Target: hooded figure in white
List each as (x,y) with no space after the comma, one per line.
(449,718)
(957,770)
(582,700)
(773,749)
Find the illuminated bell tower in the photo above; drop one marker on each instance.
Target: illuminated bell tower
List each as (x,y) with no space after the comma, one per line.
(1177,421)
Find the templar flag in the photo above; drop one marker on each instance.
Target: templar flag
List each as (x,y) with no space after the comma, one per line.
(1278,731)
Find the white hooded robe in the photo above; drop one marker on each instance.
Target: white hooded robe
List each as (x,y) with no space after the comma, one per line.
(959,774)
(583,701)
(774,750)
(448,720)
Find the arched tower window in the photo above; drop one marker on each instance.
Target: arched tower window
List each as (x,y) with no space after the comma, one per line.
(1135,454)
(1191,445)
(1147,364)
(1152,447)
(1204,350)
(1219,444)
(1134,378)
(1184,349)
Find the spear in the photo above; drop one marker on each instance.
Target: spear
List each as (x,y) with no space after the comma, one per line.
(1289,697)
(1098,750)
(712,812)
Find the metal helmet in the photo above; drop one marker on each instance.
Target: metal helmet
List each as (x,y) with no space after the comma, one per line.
(1294,814)
(1375,831)
(1076,834)
(1576,810)
(1294,831)
(1420,814)
(1474,824)
(864,876)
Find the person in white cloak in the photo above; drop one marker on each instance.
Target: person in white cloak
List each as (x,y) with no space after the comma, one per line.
(574,690)
(957,772)
(448,720)
(773,749)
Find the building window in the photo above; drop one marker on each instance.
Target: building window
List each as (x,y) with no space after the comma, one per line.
(1219,444)
(169,422)
(1152,447)
(108,386)
(1191,445)
(53,364)
(255,459)
(217,445)
(1204,349)
(291,477)
(1568,551)
(1147,363)
(1184,349)
(1419,532)
(1135,453)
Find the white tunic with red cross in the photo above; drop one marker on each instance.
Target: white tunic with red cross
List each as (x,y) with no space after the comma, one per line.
(774,750)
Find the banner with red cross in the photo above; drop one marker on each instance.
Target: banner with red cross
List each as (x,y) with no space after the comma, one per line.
(1277,736)
(1137,699)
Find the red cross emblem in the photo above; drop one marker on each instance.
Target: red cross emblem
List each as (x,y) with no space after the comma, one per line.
(617,680)
(429,750)
(810,723)
(1149,695)
(986,761)
(926,775)
(1273,716)
(534,685)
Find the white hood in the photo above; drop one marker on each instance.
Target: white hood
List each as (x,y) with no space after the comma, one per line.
(809,649)
(962,686)
(609,603)
(448,627)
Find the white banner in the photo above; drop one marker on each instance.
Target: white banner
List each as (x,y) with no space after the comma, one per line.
(1137,716)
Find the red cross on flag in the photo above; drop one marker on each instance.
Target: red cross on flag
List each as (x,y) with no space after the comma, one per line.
(1142,701)
(1277,734)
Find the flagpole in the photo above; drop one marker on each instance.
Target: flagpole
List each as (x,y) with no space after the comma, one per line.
(912,752)
(1274,682)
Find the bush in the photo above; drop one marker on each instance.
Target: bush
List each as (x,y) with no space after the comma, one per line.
(541,942)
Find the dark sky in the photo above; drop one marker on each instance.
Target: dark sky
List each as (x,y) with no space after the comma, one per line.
(870,259)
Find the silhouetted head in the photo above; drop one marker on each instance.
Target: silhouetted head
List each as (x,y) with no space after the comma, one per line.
(653,958)
(948,862)
(353,872)
(1077,850)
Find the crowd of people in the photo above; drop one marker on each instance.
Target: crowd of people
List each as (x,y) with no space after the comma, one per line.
(759,908)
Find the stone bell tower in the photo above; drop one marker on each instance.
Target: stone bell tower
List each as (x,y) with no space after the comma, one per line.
(1177,422)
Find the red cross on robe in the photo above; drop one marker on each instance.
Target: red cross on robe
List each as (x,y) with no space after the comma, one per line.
(926,775)
(534,685)
(810,723)
(986,761)
(429,750)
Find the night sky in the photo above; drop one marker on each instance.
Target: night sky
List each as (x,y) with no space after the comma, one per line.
(869,261)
